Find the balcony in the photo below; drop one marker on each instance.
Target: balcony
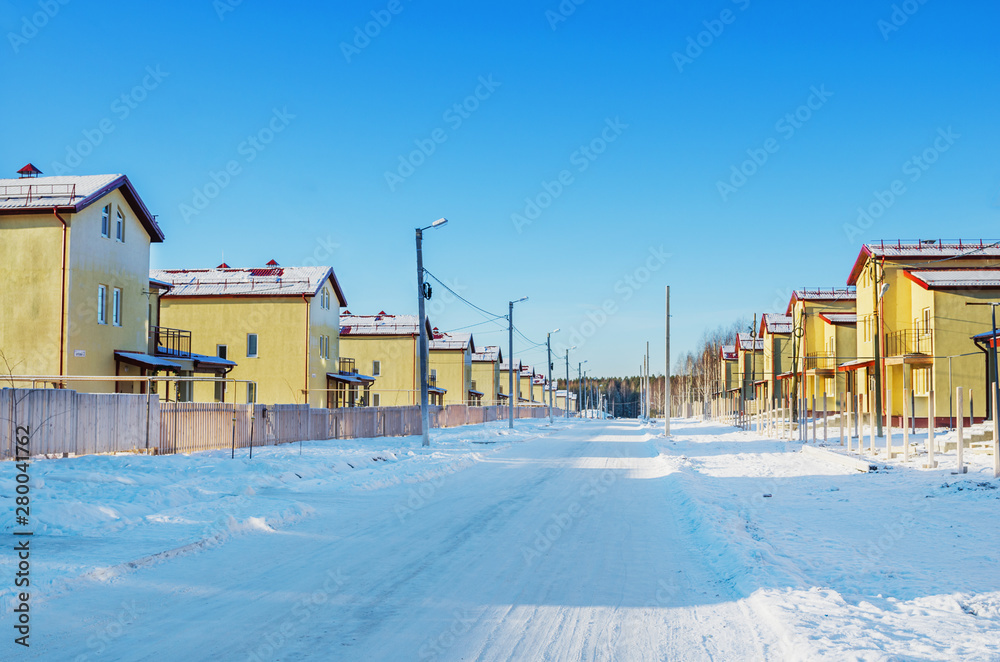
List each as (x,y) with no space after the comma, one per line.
(169,342)
(821,361)
(909,342)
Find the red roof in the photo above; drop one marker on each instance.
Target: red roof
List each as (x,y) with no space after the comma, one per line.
(30,170)
(928,250)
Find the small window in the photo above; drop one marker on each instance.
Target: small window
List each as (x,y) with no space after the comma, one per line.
(434,373)
(116,307)
(222,351)
(120,226)
(927,320)
(220,391)
(328,347)
(376,368)
(251,393)
(321,347)
(102,304)
(106,221)
(251,345)
(376,400)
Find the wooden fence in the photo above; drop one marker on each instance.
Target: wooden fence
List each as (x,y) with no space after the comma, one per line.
(62,421)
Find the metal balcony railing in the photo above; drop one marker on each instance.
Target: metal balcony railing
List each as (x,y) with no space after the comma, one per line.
(821,361)
(908,342)
(170,342)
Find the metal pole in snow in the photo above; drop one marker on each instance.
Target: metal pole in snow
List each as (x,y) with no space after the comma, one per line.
(666,377)
(960,432)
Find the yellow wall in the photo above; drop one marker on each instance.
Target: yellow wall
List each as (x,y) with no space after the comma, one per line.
(817,340)
(280,324)
(30,251)
(454,373)
(486,374)
(777,360)
(399,383)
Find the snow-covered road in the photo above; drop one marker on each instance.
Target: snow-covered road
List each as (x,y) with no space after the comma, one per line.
(561,548)
(591,540)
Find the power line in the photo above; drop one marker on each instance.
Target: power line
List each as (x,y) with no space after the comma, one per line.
(461,298)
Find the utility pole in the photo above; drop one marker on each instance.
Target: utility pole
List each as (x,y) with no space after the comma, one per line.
(649,395)
(548,360)
(666,376)
(567,383)
(510,364)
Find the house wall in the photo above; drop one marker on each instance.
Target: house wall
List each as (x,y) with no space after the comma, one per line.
(399,382)
(31,265)
(454,373)
(486,374)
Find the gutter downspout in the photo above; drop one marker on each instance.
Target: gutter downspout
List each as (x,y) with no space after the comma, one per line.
(62,298)
(308,349)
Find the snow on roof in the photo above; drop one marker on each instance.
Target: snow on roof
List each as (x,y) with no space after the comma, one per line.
(444,341)
(924,250)
(71,194)
(382,324)
(488,354)
(743,341)
(728,352)
(932,279)
(775,323)
(267,281)
(505,367)
(840,318)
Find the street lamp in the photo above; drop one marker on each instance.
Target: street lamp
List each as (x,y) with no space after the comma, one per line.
(579,387)
(548,347)
(510,359)
(567,379)
(423,292)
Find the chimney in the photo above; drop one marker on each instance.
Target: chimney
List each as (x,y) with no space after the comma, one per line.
(273,263)
(29,171)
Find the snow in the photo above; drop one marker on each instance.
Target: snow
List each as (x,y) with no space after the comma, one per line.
(586,540)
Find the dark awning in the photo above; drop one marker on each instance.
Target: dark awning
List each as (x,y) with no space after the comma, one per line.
(146,361)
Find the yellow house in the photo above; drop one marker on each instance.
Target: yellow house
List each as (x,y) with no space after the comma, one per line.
(387,348)
(74,258)
(775,333)
(281,324)
(559,398)
(505,373)
(450,367)
(538,386)
(750,363)
(815,361)
(840,340)
(486,373)
(920,320)
(526,384)
(729,374)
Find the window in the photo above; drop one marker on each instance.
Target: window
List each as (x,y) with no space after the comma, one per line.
(921,381)
(434,374)
(251,345)
(222,351)
(106,221)
(927,320)
(120,226)
(376,400)
(102,304)
(376,368)
(220,391)
(116,307)
(321,346)
(251,393)
(328,347)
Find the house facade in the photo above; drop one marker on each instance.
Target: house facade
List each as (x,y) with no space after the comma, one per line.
(386,347)
(74,255)
(775,333)
(486,373)
(451,367)
(911,300)
(280,324)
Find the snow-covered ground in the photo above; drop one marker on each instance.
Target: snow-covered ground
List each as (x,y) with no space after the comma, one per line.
(583,541)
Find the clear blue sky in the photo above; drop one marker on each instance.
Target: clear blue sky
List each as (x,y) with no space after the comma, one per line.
(678,128)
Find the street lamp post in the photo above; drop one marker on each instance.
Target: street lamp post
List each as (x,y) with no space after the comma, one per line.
(510,359)
(548,348)
(567,379)
(425,419)
(579,387)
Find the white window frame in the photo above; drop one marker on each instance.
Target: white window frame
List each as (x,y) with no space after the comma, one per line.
(376,368)
(120,226)
(116,306)
(106,222)
(256,346)
(102,304)
(376,400)
(251,393)
(926,320)
(328,347)
(222,351)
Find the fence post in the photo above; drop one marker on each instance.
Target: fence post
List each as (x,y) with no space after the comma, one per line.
(906,427)
(931,463)
(960,432)
(888,425)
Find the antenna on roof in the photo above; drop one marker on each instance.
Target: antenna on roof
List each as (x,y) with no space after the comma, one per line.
(29,171)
